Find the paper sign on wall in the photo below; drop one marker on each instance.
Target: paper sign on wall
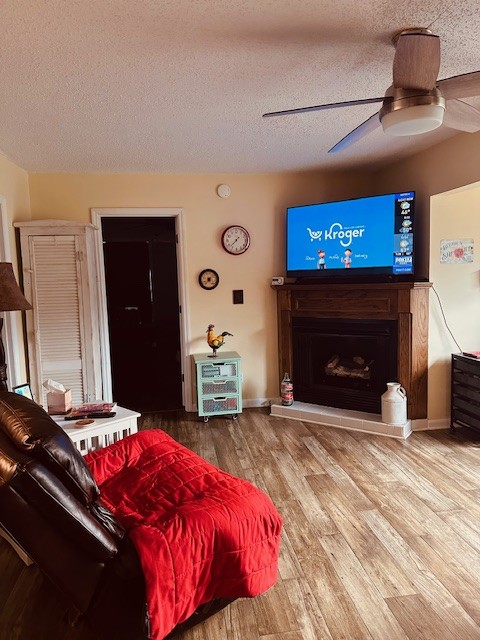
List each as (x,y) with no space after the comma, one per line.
(458,251)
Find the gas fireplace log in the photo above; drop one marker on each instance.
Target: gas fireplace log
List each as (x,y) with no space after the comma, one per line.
(355,367)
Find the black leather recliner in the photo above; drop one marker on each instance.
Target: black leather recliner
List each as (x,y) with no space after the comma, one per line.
(49,506)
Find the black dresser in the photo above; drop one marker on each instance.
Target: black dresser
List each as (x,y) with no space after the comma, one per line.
(465,410)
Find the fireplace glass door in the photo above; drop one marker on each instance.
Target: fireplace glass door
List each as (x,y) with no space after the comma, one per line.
(343,363)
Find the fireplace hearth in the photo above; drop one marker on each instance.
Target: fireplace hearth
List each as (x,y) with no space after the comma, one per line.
(343,342)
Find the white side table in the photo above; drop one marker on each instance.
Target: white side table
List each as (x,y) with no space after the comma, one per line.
(102,432)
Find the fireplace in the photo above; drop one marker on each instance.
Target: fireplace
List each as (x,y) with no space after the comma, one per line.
(380,326)
(343,363)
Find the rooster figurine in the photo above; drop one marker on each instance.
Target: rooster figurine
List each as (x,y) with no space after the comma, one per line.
(215,342)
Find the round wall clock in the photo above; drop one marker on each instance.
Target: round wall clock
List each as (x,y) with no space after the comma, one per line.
(208,279)
(235,239)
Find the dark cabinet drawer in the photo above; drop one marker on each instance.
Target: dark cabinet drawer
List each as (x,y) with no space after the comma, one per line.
(465,392)
(467,406)
(466,380)
(470,366)
(462,391)
(465,419)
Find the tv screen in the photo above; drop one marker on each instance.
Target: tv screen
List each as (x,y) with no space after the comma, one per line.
(370,237)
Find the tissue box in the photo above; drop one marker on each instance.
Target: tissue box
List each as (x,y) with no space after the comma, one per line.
(59,402)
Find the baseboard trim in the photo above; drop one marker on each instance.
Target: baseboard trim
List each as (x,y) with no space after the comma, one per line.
(258,402)
(430,425)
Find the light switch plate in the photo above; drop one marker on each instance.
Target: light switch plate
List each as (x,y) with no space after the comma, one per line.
(238,296)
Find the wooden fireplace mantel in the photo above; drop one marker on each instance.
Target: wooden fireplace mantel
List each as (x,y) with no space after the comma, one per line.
(405,302)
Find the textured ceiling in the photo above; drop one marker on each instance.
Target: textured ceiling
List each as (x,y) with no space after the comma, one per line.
(181,85)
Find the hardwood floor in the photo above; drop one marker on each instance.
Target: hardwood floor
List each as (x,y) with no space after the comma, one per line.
(381,537)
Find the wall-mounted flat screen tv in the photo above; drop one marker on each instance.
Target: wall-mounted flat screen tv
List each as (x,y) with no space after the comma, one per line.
(369,238)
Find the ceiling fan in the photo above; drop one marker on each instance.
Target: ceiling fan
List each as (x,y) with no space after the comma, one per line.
(416,102)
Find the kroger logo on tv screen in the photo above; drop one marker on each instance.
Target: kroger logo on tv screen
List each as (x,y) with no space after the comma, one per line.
(366,233)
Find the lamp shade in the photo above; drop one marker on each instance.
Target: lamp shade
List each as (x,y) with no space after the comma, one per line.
(11,297)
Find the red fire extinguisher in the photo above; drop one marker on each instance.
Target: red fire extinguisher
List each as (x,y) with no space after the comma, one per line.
(286,391)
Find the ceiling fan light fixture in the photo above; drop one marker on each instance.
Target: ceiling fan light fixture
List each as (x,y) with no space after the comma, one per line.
(412,121)
(409,114)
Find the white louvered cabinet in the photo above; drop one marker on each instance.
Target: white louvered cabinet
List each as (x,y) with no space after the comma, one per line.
(59,276)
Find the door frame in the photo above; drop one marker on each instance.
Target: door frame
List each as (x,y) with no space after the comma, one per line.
(10,327)
(142,212)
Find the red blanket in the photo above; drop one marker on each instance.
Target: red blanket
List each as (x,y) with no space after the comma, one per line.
(200,532)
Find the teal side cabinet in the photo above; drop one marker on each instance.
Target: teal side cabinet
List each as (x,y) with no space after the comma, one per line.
(219,384)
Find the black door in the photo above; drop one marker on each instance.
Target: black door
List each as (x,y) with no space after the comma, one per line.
(143,312)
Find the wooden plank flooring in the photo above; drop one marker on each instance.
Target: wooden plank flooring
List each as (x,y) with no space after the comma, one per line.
(381,537)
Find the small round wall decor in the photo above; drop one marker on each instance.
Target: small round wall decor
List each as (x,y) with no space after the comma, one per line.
(208,279)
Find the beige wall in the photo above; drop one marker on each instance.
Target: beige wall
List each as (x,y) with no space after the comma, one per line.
(454,215)
(258,202)
(14,187)
(15,201)
(447,166)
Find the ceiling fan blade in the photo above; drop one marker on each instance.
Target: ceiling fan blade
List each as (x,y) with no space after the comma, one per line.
(417,61)
(466,85)
(320,107)
(461,116)
(357,134)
